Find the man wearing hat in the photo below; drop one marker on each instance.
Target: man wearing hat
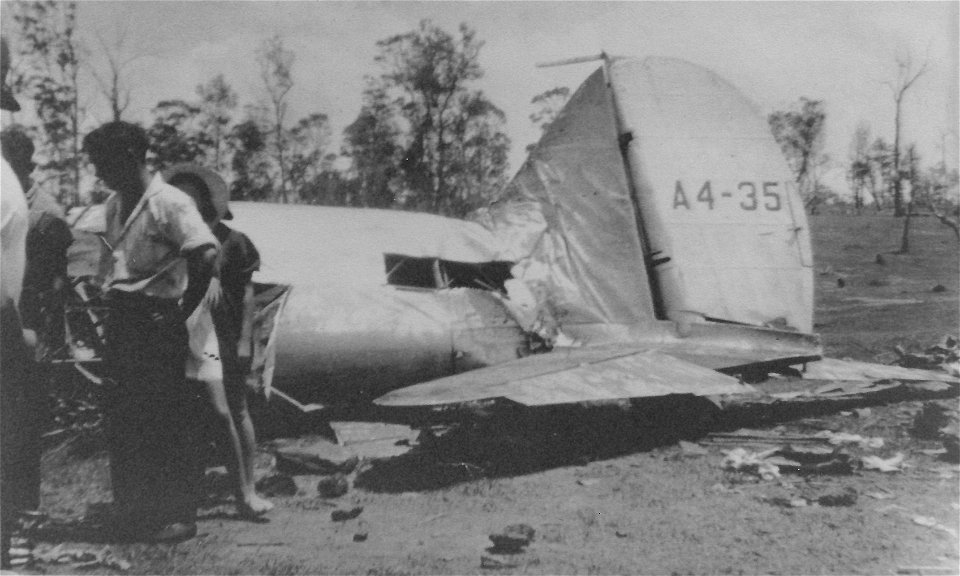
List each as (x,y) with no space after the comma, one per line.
(156,267)
(15,360)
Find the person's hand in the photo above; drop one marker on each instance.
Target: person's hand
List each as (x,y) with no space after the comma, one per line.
(214,293)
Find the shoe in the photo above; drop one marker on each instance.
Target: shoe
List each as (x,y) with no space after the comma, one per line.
(176,532)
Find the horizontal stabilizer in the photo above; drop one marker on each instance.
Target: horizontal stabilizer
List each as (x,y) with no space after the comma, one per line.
(571,376)
(833,369)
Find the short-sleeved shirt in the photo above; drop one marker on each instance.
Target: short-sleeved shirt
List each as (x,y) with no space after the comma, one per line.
(146,253)
(237,262)
(14,215)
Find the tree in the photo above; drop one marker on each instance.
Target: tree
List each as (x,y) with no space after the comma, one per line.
(426,77)
(176,135)
(110,78)
(906,77)
(371,143)
(880,156)
(275,70)
(860,172)
(251,169)
(49,68)
(308,140)
(217,100)
(549,104)
(800,134)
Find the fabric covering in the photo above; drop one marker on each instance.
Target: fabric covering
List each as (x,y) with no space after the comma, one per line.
(568,219)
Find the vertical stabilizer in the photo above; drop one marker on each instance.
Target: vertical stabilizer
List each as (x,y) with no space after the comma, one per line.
(721,217)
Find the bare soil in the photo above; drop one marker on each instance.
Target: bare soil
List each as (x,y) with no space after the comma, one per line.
(612,491)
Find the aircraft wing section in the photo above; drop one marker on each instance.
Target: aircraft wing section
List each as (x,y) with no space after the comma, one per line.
(833,369)
(571,376)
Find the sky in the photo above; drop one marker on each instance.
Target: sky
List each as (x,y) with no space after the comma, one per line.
(774,52)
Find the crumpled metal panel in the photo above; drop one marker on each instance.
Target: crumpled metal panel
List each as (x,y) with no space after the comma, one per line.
(571,376)
(568,221)
(716,196)
(834,369)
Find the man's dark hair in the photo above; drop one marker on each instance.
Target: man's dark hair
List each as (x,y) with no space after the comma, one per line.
(116,140)
(204,202)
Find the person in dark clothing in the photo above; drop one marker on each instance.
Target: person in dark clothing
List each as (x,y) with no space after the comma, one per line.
(156,269)
(41,315)
(232,318)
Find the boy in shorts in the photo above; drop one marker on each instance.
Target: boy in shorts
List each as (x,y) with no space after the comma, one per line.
(232,317)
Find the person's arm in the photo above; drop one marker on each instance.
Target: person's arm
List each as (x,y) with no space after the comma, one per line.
(201,268)
(245,345)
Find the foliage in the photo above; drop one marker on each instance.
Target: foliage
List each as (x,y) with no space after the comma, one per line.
(48,70)
(217,100)
(799,132)
(176,134)
(860,172)
(308,140)
(549,104)
(276,63)
(449,149)
(252,180)
(371,143)
(880,156)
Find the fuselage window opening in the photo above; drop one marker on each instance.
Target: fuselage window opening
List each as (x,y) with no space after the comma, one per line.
(436,273)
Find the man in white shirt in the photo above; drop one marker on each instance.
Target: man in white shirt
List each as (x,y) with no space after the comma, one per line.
(14,354)
(157,262)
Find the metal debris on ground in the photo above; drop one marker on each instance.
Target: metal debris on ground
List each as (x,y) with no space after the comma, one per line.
(840,438)
(945,355)
(313,456)
(82,558)
(769,464)
(333,486)
(277,484)
(344,515)
(512,539)
(893,464)
(491,563)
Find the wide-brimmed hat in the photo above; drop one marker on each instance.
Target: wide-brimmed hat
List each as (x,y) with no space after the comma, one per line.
(219,191)
(7,101)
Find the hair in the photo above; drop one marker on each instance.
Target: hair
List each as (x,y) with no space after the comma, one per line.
(17,147)
(204,202)
(115,140)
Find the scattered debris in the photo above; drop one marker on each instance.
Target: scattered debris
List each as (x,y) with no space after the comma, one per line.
(840,438)
(360,537)
(82,558)
(927,570)
(333,486)
(314,456)
(748,436)
(880,260)
(943,355)
(512,539)
(880,495)
(930,522)
(344,515)
(863,412)
(277,484)
(846,497)
(894,464)
(588,481)
(692,449)
(622,534)
(490,562)
(757,463)
(938,289)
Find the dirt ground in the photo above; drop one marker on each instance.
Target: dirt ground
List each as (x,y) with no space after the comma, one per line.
(615,491)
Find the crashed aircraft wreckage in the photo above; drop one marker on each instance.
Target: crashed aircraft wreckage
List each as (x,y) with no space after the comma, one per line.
(652,244)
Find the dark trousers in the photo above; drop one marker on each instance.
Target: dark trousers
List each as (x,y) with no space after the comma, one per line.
(20,409)
(152,414)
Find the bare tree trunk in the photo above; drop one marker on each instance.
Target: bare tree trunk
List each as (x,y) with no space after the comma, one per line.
(905,237)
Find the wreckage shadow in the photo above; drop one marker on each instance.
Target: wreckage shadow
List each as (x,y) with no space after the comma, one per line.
(516,440)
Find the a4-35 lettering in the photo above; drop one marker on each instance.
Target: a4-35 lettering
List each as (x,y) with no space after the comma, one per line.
(752,196)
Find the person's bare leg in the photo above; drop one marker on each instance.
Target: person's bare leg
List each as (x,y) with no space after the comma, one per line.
(252,503)
(229,441)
